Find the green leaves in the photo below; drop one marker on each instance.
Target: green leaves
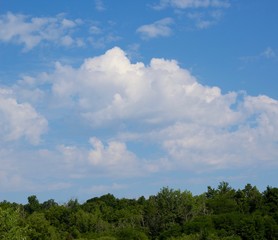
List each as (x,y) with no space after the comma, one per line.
(11,225)
(221,213)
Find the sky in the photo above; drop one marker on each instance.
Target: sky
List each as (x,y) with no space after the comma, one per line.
(127,97)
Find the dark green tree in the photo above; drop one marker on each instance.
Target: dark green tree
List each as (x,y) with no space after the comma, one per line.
(221,200)
(32,205)
(270,200)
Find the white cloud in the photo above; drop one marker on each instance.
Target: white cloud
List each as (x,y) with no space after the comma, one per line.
(67,41)
(160,118)
(109,87)
(29,32)
(184,4)
(114,158)
(195,126)
(251,140)
(19,120)
(95,30)
(72,155)
(203,13)
(159,28)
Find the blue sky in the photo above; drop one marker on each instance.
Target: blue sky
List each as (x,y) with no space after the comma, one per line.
(127,97)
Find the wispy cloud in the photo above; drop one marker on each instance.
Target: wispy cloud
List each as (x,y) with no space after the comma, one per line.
(205,20)
(101,41)
(185,4)
(202,13)
(266,54)
(95,30)
(30,32)
(102,34)
(133,52)
(100,5)
(159,28)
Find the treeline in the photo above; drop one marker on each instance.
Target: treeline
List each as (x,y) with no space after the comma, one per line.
(220,213)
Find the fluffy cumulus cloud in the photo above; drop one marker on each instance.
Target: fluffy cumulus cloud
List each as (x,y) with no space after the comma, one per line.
(110,88)
(20,125)
(114,157)
(184,4)
(164,104)
(159,28)
(19,120)
(142,118)
(29,32)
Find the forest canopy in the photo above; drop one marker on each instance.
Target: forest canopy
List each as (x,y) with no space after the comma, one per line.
(219,213)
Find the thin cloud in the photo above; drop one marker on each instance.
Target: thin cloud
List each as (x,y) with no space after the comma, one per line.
(100,5)
(133,52)
(202,14)
(205,20)
(95,30)
(266,54)
(159,28)
(187,4)
(102,34)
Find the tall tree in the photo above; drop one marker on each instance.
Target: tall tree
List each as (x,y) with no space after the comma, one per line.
(32,205)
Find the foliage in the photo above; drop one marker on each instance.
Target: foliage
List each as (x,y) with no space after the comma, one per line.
(220,213)
(11,225)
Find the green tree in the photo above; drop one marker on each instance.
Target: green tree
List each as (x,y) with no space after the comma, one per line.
(198,225)
(168,210)
(12,226)
(271,227)
(221,200)
(59,217)
(270,200)
(48,204)
(130,234)
(249,199)
(33,204)
(40,228)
